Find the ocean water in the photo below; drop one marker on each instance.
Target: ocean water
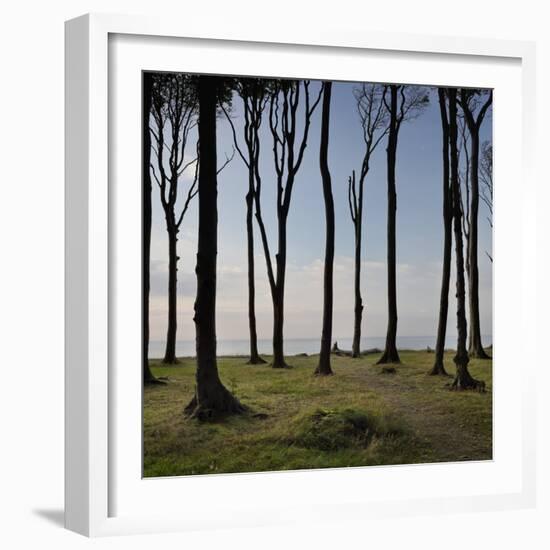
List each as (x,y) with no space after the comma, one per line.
(293,346)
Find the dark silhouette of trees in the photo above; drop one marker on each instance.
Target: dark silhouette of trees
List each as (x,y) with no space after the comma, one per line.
(439,367)
(405,103)
(324,368)
(475,105)
(174,113)
(288,153)
(463,380)
(254,95)
(486,179)
(211,397)
(374,123)
(148,377)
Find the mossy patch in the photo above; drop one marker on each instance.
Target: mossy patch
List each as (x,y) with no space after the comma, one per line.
(331,429)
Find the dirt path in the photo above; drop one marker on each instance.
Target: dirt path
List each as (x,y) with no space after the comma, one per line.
(457,426)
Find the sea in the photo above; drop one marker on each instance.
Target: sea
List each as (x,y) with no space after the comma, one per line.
(294,346)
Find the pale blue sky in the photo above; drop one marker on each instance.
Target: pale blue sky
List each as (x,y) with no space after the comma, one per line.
(419,235)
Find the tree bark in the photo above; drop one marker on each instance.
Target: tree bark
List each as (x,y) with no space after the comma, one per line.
(463,380)
(473,123)
(211,397)
(390,354)
(170,351)
(358,307)
(278,298)
(148,377)
(324,367)
(255,358)
(439,367)
(288,156)
(476,346)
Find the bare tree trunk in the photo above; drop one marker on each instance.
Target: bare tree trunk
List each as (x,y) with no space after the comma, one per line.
(476,346)
(148,377)
(324,367)
(390,354)
(463,380)
(170,351)
(278,297)
(255,358)
(211,397)
(288,156)
(253,99)
(358,308)
(439,367)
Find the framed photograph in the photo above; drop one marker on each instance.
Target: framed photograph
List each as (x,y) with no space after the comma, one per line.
(293,293)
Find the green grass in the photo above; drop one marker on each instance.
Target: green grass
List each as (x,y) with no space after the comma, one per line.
(359,417)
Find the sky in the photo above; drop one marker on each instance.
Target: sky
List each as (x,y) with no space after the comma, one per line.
(419,235)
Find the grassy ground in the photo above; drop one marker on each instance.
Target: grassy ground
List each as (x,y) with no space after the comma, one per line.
(358,417)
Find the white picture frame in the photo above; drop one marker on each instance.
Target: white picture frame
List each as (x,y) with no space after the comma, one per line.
(96,435)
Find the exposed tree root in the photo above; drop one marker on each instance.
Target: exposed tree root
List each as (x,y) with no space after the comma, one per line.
(478,354)
(256,361)
(438,370)
(215,404)
(280,365)
(154,382)
(149,379)
(389,357)
(323,371)
(174,361)
(462,383)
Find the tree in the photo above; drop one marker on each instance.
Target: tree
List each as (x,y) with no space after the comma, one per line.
(475,104)
(174,113)
(254,95)
(288,153)
(374,124)
(324,368)
(439,367)
(405,103)
(486,179)
(211,396)
(463,380)
(148,377)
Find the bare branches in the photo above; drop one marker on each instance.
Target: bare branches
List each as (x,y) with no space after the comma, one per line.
(235,140)
(255,94)
(288,149)
(374,119)
(192,191)
(486,178)
(412,100)
(174,116)
(228,159)
(463,152)
(475,103)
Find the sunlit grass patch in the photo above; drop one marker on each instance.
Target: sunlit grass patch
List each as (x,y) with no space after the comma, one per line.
(359,417)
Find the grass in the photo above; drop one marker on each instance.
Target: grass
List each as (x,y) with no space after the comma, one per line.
(359,417)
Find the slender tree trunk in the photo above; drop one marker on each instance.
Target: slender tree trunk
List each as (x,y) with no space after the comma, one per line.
(278,297)
(171,333)
(390,354)
(358,230)
(148,377)
(476,346)
(211,397)
(324,367)
(439,367)
(463,380)
(255,358)
(358,308)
